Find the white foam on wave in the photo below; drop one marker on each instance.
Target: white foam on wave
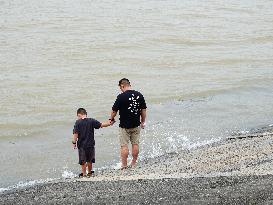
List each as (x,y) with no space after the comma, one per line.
(27,184)
(174,143)
(3,189)
(242,132)
(116,166)
(65,175)
(68,174)
(203,143)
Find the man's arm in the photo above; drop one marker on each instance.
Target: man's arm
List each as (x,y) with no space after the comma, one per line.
(113,115)
(143,118)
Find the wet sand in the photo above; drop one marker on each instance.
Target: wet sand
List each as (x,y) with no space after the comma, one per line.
(238,170)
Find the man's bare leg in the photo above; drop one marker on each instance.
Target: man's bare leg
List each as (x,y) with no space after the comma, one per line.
(89,167)
(124,152)
(135,151)
(84,169)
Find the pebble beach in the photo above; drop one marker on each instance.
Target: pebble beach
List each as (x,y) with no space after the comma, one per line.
(237,170)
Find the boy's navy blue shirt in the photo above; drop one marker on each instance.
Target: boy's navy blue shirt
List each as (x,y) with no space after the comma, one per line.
(85,129)
(129,104)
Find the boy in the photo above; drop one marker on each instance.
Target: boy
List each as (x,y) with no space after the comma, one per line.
(83,138)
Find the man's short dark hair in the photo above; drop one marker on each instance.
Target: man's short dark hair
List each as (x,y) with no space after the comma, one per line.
(81,111)
(124,81)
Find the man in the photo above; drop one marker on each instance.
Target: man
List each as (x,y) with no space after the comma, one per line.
(132,110)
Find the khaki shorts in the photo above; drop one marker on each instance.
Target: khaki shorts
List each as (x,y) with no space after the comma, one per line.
(126,135)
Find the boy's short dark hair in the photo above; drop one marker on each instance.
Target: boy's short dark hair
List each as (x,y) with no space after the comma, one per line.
(124,81)
(81,111)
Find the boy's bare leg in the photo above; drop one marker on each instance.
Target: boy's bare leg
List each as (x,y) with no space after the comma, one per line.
(135,151)
(124,152)
(84,169)
(89,167)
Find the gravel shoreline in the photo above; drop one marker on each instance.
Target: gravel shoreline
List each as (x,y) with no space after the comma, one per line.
(212,190)
(234,171)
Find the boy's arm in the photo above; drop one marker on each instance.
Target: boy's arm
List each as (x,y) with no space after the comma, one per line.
(75,139)
(107,124)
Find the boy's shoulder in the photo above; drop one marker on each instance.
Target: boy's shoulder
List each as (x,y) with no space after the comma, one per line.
(85,120)
(92,119)
(77,121)
(82,120)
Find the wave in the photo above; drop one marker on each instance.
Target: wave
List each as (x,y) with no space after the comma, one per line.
(187,144)
(27,184)
(65,175)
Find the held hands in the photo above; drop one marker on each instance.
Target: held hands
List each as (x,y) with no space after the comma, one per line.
(111,122)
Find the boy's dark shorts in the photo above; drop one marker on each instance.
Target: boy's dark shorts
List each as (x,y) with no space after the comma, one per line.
(86,155)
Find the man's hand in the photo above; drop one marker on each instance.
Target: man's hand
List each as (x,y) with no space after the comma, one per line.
(143,118)
(112,121)
(143,124)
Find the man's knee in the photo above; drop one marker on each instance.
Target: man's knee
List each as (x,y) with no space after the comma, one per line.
(135,150)
(135,146)
(124,149)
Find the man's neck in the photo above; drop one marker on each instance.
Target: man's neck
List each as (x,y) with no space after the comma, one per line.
(126,89)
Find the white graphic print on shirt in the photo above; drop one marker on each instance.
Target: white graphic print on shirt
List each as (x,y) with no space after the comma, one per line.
(134,104)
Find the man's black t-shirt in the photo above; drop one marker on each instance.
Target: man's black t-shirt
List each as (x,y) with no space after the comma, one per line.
(129,104)
(85,130)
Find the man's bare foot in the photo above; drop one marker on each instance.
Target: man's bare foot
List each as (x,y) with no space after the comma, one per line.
(124,167)
(133,165)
